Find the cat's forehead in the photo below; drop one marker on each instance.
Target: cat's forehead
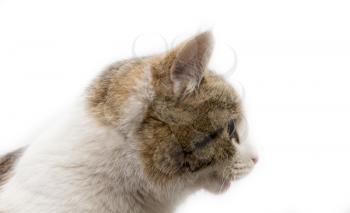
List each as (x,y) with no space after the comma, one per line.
(215,103)
(216,95)
(212,105)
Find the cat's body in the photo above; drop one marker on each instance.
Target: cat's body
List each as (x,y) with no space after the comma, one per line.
(115,150)
(73,169)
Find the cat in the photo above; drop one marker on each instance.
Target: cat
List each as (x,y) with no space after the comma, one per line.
(147,133)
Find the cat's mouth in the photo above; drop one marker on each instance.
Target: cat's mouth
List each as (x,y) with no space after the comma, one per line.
(240,173)
(223,182)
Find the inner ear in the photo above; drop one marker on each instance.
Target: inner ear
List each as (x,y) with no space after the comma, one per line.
(190,62)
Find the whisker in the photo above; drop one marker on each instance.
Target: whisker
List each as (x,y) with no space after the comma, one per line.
(223,179)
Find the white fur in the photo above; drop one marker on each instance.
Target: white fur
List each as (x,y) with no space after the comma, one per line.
(70,169)
(133,110)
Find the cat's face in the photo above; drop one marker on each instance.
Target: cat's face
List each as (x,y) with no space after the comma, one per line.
(194,127)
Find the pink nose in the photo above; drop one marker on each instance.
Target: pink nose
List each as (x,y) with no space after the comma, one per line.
(255,159)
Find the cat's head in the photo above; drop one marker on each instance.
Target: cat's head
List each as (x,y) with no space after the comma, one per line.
(193,127)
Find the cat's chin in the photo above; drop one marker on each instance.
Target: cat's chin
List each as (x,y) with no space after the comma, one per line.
(218,185)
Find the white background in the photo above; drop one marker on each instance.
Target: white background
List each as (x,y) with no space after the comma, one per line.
(292,69)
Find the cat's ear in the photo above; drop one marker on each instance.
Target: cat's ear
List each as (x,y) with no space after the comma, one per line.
(189,62)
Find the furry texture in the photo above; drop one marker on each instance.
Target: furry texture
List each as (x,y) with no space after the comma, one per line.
(7,163)
(148,132)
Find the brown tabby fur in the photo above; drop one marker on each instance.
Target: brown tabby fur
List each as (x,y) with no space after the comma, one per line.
(173,120)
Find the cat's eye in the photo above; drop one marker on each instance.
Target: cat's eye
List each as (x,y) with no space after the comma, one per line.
(232,131)
(209,138)
(231,128)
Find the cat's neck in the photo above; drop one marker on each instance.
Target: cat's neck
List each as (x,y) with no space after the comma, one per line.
(115,155)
